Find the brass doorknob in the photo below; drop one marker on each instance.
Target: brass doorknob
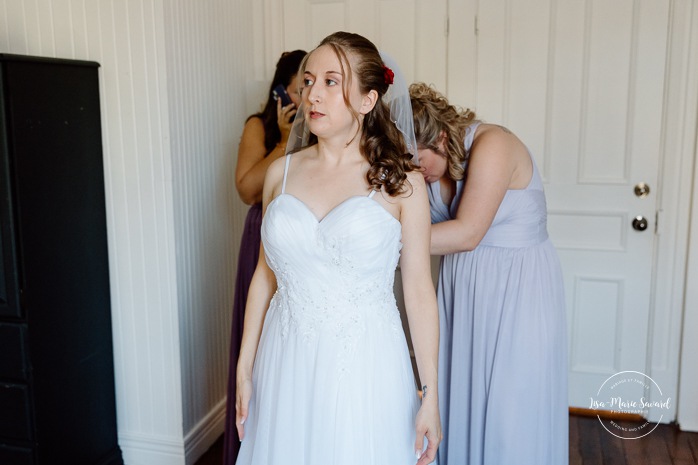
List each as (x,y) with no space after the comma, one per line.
(639,223)
(642,190)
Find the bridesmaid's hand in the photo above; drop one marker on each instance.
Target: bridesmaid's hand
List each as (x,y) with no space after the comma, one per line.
(428,424)
(283,118)
(244,392)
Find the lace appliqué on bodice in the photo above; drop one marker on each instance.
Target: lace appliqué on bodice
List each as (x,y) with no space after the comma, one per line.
(335,276)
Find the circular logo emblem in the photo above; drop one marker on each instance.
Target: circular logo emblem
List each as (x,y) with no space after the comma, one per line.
(625,398)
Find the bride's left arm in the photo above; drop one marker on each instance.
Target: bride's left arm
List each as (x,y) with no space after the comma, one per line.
(420,305)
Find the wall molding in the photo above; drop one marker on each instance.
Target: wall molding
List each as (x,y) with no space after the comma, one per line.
(204,433)
(671,314)
(143,449)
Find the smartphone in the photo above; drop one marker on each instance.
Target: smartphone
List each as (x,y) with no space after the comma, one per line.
(280,93)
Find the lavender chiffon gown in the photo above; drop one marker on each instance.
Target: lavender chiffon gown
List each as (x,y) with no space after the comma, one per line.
(503,344)
(247,261)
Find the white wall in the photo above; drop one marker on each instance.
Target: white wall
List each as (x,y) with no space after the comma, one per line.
(688,381)
(173,76)
(208,59)
(673,307)
(688,394)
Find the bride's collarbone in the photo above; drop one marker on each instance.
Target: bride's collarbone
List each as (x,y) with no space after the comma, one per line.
(321,188)
(323,199)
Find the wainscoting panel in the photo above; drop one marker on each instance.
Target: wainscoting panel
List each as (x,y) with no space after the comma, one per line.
(173,81)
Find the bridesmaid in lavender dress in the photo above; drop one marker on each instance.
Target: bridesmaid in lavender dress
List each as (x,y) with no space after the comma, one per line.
(503,349)
(263,141)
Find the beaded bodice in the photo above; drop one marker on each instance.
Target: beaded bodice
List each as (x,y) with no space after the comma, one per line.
(334,276)
(334,272)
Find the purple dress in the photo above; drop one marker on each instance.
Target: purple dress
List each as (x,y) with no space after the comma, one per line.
(503,344)
(247,262)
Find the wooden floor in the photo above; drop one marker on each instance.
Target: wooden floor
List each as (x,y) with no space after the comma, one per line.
(213,456)
(591,444)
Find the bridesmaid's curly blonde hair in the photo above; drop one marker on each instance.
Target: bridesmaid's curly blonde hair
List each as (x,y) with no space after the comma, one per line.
(433,115)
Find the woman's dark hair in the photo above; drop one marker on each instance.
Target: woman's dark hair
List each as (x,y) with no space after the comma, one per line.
(381,142)
(286,68)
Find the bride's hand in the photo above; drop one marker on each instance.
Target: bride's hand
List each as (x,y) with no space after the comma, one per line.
(242,402)
(428,424)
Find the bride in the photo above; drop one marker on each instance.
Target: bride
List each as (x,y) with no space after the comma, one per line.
(324,375)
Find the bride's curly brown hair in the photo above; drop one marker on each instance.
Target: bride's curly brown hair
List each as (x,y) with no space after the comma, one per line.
(381,142)
(435,117)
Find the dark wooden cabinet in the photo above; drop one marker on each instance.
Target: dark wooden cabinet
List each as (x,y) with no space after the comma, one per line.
(57,402)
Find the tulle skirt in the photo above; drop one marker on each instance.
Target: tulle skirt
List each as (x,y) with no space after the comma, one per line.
(329,397)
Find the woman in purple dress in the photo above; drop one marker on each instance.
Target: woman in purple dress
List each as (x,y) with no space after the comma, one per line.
(502,346)
(263,141)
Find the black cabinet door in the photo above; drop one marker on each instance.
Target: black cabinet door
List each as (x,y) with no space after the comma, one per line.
(9,289)
(56,268)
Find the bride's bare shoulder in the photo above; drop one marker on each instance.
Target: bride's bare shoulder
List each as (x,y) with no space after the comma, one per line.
(275,172)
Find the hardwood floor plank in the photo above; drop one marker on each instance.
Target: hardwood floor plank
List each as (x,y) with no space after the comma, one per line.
(678,444)
(590,440)
(575,458)
(692,440)
(658,452)
(612,449)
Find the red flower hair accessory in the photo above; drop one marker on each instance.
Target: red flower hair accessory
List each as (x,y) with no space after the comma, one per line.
(388,75)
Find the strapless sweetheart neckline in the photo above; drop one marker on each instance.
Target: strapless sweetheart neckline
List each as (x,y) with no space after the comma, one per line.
(334,209)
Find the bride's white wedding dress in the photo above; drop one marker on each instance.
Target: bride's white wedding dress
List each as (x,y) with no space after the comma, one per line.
(333,382)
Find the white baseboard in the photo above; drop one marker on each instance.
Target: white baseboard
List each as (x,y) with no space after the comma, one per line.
(138,449)
(205,433)
(141,449)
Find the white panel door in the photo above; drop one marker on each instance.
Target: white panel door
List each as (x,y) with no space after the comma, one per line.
(413,32)
(582,83)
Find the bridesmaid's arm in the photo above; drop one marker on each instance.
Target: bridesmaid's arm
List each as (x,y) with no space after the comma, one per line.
(491,169)
(262,288)
(253,161)
(422,313)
